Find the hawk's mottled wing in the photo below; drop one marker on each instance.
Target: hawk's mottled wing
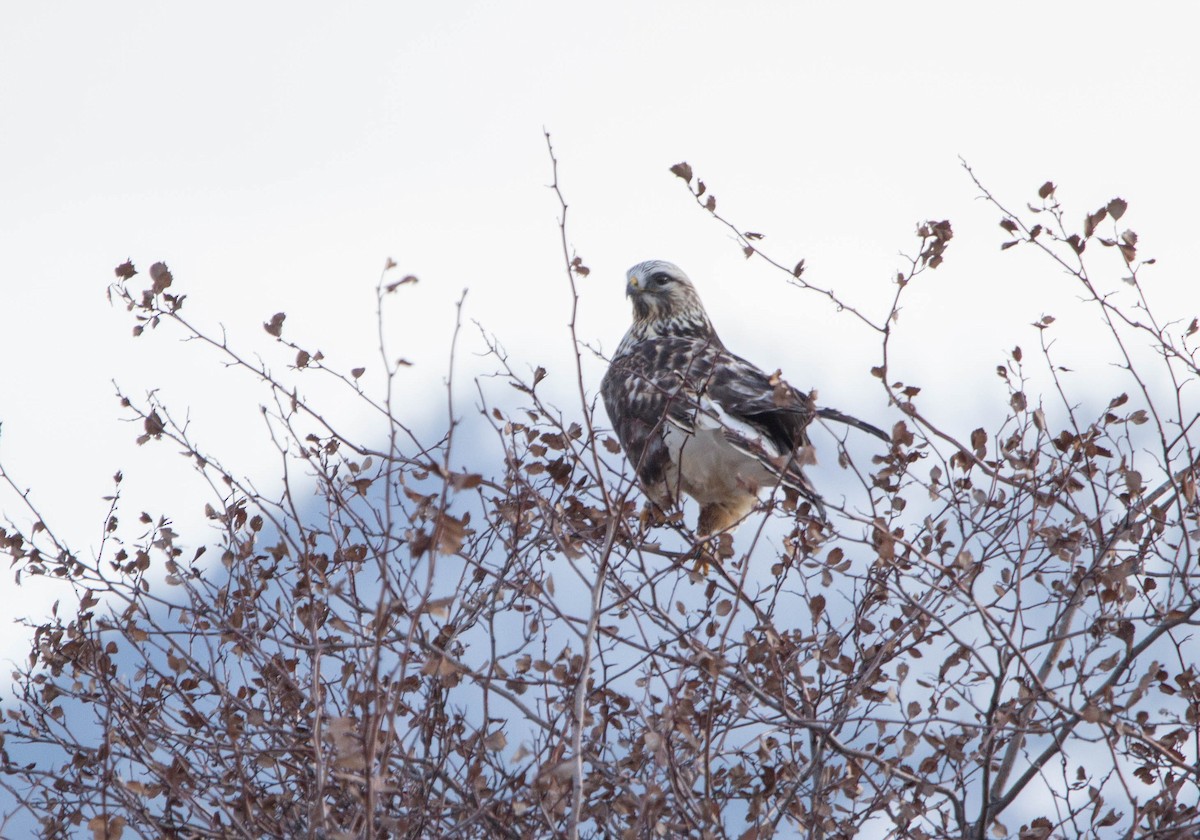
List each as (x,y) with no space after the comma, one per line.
(697,387)
(637,392)
(767,403)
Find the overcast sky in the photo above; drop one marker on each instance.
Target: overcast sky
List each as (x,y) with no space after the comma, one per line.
(275,155)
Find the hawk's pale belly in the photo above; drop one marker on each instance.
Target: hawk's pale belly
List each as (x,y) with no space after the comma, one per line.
(709,469)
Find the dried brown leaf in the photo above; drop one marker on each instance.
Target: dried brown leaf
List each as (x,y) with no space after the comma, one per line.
(816,606)
(682,170)
(275,325)
(161,277)
(1093,219)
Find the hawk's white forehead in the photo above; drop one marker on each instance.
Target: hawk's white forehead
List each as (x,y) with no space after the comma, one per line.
(645,269)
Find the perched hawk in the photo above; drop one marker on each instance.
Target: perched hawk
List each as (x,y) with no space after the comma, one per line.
(695,418)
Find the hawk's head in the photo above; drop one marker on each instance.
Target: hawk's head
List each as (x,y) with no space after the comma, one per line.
(660,291)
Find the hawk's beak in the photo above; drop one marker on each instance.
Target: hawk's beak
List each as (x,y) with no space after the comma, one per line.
(632,287)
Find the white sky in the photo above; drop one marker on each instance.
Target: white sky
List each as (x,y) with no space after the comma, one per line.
(275,154)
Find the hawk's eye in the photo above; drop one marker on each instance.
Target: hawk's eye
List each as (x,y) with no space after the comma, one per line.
(660,278)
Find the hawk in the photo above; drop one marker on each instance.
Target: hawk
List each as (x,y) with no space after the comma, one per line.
(693,417)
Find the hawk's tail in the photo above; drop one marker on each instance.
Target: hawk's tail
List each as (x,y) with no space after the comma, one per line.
(834,414)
